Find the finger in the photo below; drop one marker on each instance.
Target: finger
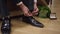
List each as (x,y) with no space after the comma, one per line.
(35,14)
(37,10)
(28,14)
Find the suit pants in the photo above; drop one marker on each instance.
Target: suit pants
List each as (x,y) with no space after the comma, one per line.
(4,9)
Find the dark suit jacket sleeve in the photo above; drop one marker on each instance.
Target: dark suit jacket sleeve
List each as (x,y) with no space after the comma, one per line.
(28,3)
(17,1)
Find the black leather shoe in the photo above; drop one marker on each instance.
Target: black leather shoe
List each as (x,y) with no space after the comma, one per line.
(6,26)
(32,21)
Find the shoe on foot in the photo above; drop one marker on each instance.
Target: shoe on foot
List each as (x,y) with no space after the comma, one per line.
(6,26)
(32,21)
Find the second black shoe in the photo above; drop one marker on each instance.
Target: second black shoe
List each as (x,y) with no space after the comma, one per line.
(6,26)
(32,21)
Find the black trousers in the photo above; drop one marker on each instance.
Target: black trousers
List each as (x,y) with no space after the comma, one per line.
(4,10)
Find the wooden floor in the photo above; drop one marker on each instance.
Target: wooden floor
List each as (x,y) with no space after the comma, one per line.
(50,26)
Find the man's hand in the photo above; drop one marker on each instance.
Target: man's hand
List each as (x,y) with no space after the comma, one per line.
(35,11)
(25,10)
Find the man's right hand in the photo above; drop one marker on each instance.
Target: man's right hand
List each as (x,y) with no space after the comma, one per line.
(25,10)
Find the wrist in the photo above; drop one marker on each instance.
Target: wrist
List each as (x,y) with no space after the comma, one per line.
(21,5)
(35,4)
(35,1)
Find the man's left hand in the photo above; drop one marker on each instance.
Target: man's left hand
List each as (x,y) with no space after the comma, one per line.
(35,11)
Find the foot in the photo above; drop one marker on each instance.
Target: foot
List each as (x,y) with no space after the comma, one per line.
(6,26)
(32,21)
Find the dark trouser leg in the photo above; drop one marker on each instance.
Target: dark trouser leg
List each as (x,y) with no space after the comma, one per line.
(5,28)
(29,4)
(3,8)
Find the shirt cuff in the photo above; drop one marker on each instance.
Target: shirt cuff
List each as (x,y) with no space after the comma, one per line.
(19,3)
(35,1)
